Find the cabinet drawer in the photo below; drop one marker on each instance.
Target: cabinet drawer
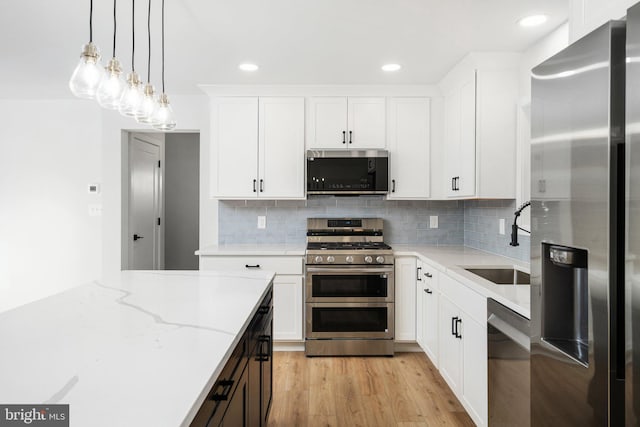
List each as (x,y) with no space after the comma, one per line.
(472,303)
(280,265)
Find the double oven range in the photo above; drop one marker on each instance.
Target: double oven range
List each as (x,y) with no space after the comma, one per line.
(349,291)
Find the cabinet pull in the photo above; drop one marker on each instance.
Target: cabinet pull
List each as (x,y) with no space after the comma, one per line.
(226,389)
(262,185)
(393,185)
(453,185)
(454,322)
(419,279)
(254,185)
(252,266)
(429,291)
(457,183)
(350,135)
(344,137)
(263,355)
(428,275)
(458,334)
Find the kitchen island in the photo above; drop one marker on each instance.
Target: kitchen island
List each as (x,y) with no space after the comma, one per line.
(143,348)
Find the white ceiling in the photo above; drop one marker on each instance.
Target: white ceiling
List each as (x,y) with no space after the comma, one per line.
(293,41)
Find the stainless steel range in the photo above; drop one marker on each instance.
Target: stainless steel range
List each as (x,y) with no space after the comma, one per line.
(349,290)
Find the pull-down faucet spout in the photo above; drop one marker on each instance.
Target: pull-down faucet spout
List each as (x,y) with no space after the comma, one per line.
(515,227)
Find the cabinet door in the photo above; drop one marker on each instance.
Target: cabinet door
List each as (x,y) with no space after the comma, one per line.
(474,356)
(327,122)
(287,308)
(450,346)
(430,297)
(405,302)
(234,147)
(420,300)
(237,410)
(467,161)
(452,139)
(366,120)
(281,148)
(409,146)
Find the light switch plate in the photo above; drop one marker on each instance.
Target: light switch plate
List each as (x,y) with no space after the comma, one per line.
(262,221)
(501,226)
(433,221)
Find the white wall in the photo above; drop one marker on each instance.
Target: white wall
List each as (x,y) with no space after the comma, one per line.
(50,152)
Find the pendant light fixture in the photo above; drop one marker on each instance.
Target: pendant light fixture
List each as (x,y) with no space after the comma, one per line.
(132,95)
(112,86)
(163,118)
(88,73)
(148,104)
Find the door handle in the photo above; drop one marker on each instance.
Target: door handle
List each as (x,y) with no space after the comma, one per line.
(428,275)
(252,266)
(137,237)
(226,389)
(393,185)
(458,334)
(344,137)
(453,323)
(262,185)
(429,291)
(254,185)
(453,183)
(350,135)
(418,273)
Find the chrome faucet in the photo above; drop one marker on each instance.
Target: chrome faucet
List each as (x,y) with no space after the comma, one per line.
(515,227)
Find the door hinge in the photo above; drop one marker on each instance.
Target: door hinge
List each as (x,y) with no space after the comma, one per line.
(158,221)
(158,163)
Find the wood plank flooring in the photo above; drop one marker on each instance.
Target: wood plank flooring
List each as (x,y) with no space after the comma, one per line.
(405,390)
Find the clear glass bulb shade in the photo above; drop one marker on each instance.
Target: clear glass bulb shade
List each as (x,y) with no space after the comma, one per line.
(163,118)
(88,73)
(111,87)
(132,96)
(148,106)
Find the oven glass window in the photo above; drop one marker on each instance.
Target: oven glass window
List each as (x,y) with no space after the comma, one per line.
(349,319)
(359,285)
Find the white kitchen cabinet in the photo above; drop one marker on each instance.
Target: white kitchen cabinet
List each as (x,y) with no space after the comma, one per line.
(427,319)
(346,123)
(257,147)
(463,346)
(419,306)
(409,148)
(587,15)
(480,126)
(405,299)
(288,285)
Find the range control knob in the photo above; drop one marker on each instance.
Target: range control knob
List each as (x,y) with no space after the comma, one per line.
(330,259)
(318,259)
(349,259)
(368,259)
(379,259)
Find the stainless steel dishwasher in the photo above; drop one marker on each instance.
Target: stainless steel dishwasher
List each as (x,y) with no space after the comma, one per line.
(508,365)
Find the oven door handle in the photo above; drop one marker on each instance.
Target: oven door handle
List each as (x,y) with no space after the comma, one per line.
(349,270)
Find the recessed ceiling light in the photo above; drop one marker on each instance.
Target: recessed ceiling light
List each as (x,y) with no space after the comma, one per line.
(533,20)
(391,67)
(248,67)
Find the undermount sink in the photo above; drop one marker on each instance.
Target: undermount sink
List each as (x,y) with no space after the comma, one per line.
(501,276)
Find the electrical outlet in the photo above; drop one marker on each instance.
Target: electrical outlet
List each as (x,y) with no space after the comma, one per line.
(262,221)
(95,210)
(501,226)
(433,221)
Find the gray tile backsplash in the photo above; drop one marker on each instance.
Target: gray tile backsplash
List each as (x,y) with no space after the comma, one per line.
(473,223)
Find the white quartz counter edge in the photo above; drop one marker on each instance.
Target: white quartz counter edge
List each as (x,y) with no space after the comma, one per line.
(451,260)
(252,250)
(142,348)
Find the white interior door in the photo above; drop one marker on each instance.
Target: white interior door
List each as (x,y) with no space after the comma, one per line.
(144,204)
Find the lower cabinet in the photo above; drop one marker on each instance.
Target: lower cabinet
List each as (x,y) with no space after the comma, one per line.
(463,346)
(241,396)
(427,312)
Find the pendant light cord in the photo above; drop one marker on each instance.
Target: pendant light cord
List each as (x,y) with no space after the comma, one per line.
(162,46)
(91,21)
(133,34)
(114,28)
(149,36)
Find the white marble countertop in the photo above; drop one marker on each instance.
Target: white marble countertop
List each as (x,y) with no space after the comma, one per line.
(453,259)
(142,349)
(254,250)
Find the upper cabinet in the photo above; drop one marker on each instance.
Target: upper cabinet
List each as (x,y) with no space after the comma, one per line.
(480,96)
(257,148)
(346,123)
(409,147)
(587,15)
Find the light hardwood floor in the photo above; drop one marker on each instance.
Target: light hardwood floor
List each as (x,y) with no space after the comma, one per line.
(405,390)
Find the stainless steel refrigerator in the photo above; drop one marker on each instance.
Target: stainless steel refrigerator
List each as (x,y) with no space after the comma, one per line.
(578,228)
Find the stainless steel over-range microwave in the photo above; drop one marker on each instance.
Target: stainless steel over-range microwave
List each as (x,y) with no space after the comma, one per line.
(349,172)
